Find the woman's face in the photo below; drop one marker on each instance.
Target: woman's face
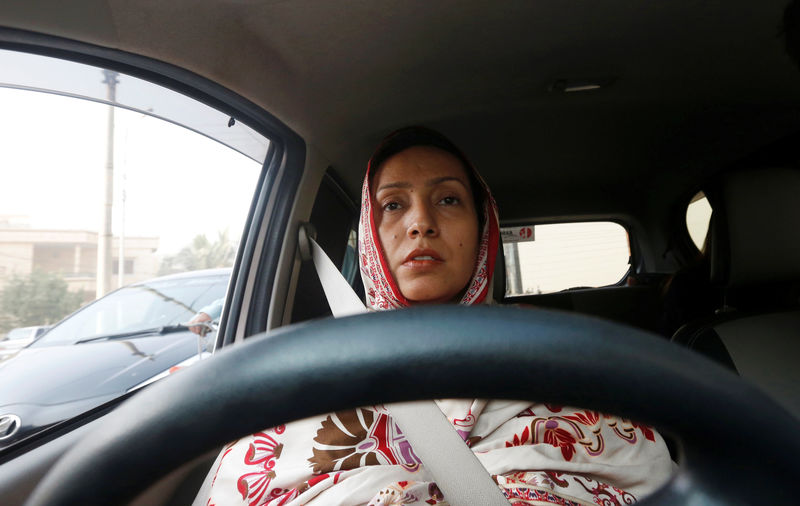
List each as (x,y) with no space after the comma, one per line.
(427,223)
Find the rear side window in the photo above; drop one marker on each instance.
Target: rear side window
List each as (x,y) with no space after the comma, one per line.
(698,218)
(560,256)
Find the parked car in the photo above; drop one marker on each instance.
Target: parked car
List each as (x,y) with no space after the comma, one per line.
(619,112)
(104,350)
(19,338)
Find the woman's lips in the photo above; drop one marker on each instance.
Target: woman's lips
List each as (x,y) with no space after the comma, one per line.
(422,259)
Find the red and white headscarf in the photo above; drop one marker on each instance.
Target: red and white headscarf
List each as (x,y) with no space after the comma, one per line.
(380,286)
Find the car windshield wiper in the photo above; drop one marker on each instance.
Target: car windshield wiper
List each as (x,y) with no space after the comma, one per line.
(166,329)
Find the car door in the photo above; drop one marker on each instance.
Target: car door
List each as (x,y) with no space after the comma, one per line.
(207,169)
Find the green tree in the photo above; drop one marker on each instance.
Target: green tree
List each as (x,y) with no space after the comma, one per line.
(40,298)
(201,253)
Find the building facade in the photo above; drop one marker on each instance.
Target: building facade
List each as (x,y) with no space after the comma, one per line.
(73,255)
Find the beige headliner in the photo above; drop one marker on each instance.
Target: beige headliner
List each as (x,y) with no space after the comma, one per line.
(696,85)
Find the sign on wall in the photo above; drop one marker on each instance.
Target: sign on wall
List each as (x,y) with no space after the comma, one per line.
(517,234)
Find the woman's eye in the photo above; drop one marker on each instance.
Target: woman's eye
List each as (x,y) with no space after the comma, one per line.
(449,201)
(391,206)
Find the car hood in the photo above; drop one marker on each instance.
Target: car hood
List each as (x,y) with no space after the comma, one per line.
(15,344)
(55,375)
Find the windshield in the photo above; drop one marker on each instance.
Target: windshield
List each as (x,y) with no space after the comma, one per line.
(139,307)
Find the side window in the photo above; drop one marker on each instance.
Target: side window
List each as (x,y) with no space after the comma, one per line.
(698,218)
(121,205)
(560,256)
(350,267)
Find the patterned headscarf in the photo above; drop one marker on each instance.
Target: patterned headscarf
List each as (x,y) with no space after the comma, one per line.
(379,284)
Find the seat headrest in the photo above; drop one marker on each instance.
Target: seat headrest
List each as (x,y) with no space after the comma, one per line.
(756,240)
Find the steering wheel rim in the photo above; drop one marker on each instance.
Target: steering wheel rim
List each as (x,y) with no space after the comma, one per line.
(448,351)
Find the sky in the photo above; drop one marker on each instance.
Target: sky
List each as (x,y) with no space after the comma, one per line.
(177,182)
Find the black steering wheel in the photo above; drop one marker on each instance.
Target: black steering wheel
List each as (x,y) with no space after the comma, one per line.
(737,445)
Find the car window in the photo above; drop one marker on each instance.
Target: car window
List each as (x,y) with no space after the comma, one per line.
(350,262)
(698,218)
(546,258)
(121,200)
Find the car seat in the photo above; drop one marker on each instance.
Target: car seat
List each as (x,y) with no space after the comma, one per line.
(755,255)
(687,295)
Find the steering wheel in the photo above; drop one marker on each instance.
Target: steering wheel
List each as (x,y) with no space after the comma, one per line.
(737,445)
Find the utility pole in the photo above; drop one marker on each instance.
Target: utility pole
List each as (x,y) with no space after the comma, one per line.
(104,236)
(517,269)
(513,269)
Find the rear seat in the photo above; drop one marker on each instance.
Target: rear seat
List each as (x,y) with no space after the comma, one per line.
(755,255)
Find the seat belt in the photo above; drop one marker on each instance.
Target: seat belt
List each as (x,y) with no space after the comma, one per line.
(457,471)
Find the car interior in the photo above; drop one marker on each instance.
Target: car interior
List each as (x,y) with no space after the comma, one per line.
(572,111)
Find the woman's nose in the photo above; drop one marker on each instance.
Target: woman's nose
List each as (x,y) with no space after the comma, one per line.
(422,223)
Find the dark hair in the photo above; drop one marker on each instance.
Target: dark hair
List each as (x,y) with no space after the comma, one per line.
(412,136)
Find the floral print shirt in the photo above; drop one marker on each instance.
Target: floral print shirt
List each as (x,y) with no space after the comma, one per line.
(537,454)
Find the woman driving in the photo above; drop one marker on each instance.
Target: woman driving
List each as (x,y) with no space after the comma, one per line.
(428,234)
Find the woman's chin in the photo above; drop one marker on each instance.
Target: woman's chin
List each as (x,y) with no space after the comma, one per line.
(432,302)
(428,296)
